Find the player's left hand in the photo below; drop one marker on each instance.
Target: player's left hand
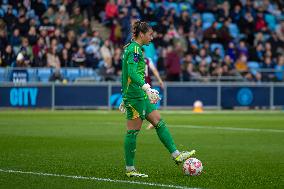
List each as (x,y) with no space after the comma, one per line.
(122,107)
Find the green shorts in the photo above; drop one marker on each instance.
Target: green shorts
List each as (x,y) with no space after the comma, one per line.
(138,108)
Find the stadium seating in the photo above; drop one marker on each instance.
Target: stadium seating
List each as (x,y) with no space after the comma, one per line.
(234,30)
(207,20)
(213,46)
(253,67)
(208,17)
(271,21)
(44,74)
(72,73)
(2,74)
(32,74)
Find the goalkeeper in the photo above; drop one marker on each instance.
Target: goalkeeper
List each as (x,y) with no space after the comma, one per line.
(139,99)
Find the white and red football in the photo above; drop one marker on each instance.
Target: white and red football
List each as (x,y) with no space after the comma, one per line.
(192,167)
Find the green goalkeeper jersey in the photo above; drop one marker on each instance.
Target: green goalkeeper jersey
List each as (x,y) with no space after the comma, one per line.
(133,72)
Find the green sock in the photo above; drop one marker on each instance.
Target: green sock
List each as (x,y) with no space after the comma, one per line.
(165,136)
(130,146)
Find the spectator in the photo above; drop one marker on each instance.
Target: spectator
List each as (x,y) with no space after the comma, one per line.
(63,16)
(257,54)
(93,52)
(23,25)
(79,58)
(236,13)
(20,61)
(217,56)
(15,40)
(53,59)
(39,7)
(211,34)
(224,33)
(247,26)
(268,65)
(111,10)
(203,70)
(116,33)
(107,53)
(86,6)
(242,48)
(76,19)
(8,57)
(173,69)
(10,19)
(203,57)
(65,58)
(280,31)
(26,50)
(3,39)
(228,66)
(260,24)
(242,68)
(117,62)
(184,22)
(56,76)
(32,36)
(39,53)
(50,15)
(188,69)
(231,51)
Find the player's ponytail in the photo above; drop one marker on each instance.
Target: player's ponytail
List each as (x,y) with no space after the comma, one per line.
(140,26)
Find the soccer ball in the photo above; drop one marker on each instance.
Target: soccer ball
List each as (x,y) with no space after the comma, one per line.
(192,167)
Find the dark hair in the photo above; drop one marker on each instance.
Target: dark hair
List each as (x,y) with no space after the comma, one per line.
(140,26)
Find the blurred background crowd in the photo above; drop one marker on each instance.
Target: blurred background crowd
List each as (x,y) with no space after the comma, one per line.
(194,40)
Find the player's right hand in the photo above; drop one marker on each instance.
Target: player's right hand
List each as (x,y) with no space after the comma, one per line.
(152,94)
(122,107)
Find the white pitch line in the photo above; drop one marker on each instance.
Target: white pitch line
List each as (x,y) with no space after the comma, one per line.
(93,178)
(227,128)
(216,128)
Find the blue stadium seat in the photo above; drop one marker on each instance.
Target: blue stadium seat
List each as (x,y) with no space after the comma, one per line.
(32,72)
(234,30)
(44,74)
(213,46)
(3,74)
(279,72)
(271,21)
(206,25)
(86,72)
(2,12)
(253,67)
(72,73)
(208,17)
(15,12)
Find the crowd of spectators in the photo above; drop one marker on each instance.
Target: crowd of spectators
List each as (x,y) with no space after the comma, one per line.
(194,40)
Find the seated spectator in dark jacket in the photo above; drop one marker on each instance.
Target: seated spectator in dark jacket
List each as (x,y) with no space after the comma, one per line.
(257,53)
(268,66)
(212,34)
(7,57)
(56,77)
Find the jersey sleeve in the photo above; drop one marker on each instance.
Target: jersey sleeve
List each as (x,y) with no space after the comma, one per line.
(133,59)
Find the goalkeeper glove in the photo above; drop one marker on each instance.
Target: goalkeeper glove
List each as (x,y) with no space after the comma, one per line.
(152,94)
(122,107)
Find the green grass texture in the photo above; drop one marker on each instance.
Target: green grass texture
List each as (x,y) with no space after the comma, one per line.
(49,148)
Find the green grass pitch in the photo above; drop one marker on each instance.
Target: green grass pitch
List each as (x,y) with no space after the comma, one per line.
(48,149)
